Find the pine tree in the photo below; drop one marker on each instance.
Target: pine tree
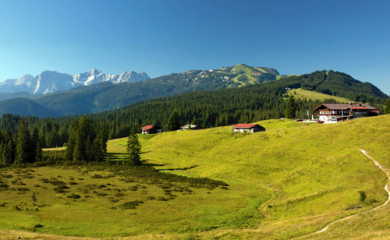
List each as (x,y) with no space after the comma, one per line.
(9,152)
(290,108)
(34,141)
(133,149)
(23,147)
(72,140)
(387,106)
(38,153)
(173,121)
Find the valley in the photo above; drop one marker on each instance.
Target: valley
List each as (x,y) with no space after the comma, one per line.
(280,185)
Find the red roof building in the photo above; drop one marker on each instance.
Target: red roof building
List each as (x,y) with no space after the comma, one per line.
(337,112)
(248,127)
(150,129)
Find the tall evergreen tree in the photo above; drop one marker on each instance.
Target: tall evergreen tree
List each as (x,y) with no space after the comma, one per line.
(72,140)
(173,121)
(38,152)
(387,106)
(24,153)
(133,149)
(290,108)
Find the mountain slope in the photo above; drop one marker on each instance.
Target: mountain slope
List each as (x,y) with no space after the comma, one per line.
(107,96)
(21,106)
(52,81)
(232,105)
(282,184)
(306,189)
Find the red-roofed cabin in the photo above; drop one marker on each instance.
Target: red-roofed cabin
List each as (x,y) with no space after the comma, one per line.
(248,127)
(150,129)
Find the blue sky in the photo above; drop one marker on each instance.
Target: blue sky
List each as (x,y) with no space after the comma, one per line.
(161,37)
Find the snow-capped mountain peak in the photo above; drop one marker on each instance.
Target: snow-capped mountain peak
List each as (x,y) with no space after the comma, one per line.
(53,81)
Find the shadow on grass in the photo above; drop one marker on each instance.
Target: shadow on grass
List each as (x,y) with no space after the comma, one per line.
(173,169)
(116,156)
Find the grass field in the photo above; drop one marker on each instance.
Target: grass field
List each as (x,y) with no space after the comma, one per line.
(283,183)
(305,94)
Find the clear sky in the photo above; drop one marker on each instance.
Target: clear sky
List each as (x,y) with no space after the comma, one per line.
(161,37)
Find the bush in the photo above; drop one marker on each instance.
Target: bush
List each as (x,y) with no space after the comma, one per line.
(6,175)
(73,195)
(96,176)
(60,188)
(162,199)
(119,194)
(362,196)
(132,204)
(38,225)
(73,183)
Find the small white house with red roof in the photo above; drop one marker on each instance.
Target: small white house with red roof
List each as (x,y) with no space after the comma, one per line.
(150,129)
(248,127)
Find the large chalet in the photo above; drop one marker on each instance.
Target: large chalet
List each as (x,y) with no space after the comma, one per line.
(338,112)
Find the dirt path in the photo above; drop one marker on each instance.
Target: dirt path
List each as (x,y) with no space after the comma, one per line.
(384,169)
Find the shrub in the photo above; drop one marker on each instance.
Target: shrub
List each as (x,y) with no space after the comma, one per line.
(113,200)
(3,185)
(362,196)
(60,188)
(21,189)
(162,199)
(119,194)
(6,175)
(73,195)
(38,225)
(73,183)
(96,176)
(132,204)
(100,194)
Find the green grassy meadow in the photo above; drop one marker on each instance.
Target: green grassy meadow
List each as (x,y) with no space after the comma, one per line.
(299,93)
(286,182)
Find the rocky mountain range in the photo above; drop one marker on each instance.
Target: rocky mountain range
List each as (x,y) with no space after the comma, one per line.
(52,81)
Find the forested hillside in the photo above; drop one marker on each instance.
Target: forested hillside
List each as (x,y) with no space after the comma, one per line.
(108,96)
(210,108)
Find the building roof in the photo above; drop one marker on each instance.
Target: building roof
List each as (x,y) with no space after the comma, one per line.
(345,106)
(148,127)
(245,125)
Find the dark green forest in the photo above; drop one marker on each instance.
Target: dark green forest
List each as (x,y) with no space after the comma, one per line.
(207,108)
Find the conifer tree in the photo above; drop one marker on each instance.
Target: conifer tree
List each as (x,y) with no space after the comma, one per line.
(38,153)
(133,149)
(290,108)
(72,140)
(23,147)
(387,106)
(173,121)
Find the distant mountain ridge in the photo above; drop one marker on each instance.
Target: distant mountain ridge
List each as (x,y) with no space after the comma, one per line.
(93,98)
(52,81)
(105,95)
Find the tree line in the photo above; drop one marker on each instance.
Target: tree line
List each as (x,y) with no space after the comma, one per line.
(203,108)
(20,148)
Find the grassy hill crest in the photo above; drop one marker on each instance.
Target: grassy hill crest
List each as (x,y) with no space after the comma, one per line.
(286,182)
